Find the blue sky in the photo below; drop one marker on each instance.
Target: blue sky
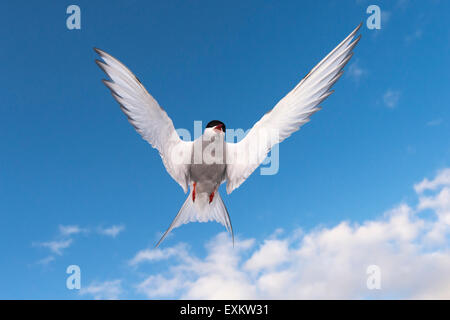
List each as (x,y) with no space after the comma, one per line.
(70,158)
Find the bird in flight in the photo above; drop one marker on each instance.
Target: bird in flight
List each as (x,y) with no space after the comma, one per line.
(204,164)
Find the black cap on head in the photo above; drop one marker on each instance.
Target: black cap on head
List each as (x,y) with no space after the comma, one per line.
(215,123)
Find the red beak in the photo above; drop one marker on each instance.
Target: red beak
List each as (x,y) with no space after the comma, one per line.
(218,127)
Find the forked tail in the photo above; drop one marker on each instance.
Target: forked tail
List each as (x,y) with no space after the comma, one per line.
(201,211)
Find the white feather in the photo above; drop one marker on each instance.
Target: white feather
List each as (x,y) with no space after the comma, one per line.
(147,117)
(201,211)
(288,115)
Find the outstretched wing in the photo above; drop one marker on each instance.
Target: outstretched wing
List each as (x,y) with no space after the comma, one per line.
(147,117)
(288,115)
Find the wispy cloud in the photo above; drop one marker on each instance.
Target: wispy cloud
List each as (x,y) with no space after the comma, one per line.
(56,246)
(63,242)
(65,239)
(70,230)
(156,254)
(385,17)
(46,261)
(108,290)
(416,35)
(323,263)
(434,122)
(402,4)
(112,231)
(391,98)
(356,72)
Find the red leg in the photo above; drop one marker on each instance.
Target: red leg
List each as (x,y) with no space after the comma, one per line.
(193,192)
(211,197)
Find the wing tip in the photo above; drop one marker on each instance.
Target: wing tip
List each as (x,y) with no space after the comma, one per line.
(351,35)
(160,240)
(101,64)
(355,30)
(101,52)
(355,42)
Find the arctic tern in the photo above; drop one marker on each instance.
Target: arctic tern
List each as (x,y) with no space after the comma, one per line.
(228,162)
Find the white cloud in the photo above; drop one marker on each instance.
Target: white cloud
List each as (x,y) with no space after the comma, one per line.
(157,286)
(355,71)
(65,239)
(438,203)
(326,263)
(391,98)
(108,290)
(55,246)
(112,231)
(46,261)
(70,230)
(441,179)
(274,248)
(215,277)
(156,254)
